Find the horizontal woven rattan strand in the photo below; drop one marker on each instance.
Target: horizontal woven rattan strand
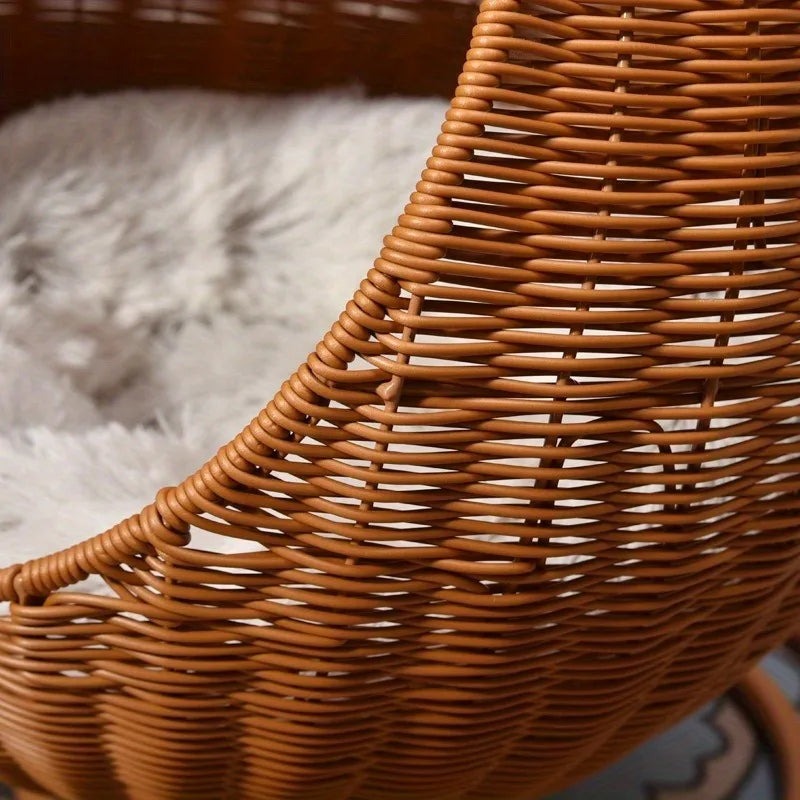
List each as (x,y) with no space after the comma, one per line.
(532,498)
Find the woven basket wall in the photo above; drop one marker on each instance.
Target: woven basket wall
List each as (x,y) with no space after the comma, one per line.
(534,496)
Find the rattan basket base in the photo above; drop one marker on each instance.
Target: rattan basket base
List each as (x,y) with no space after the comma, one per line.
(772,712)
(779,723)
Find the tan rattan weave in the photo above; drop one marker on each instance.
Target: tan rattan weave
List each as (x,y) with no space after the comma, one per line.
(534,496)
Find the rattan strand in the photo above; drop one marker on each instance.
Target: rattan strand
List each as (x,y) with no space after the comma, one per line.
(532,498)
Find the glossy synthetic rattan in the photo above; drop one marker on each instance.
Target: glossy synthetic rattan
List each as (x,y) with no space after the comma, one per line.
(534,496)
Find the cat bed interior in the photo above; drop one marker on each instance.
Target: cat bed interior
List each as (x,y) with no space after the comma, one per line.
(162,270)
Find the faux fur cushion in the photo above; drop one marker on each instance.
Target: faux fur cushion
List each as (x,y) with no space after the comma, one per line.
(166,260)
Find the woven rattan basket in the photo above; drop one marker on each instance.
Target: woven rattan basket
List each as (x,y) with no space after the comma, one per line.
(533,498)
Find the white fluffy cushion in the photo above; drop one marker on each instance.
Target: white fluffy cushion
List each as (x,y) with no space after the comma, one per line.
(166,260)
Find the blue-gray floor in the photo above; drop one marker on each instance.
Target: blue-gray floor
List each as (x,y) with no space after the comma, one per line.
(714,755)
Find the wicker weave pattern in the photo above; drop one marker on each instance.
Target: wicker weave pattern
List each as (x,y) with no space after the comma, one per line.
(531,499)
(54,47)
